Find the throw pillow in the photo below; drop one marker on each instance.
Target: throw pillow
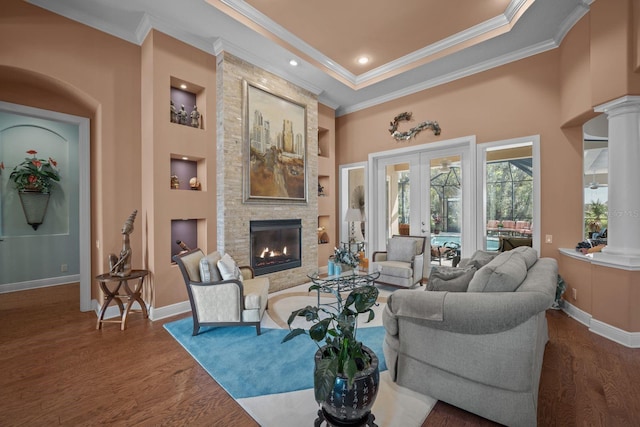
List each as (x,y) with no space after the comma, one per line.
(528,253)
(452,279)
(481,258)
(209,267)
(503,274)
(229,269)
(401,249)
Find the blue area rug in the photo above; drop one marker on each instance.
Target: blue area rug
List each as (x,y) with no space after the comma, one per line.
(248,365)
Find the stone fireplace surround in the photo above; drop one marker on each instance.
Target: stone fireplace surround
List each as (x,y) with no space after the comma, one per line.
(233,215)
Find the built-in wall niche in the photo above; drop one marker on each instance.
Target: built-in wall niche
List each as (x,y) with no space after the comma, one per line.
(186,106)
(185,172)
(324,142)
(323,229)
(184,231)
(323,186)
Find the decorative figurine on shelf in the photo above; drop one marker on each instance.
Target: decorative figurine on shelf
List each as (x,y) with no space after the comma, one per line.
(183,246)
(175,182)
(182,115)
(195,117)
(320,190)
(194,183)
(173,113)
(121,266)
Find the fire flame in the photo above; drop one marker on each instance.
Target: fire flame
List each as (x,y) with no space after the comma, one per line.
(272,253)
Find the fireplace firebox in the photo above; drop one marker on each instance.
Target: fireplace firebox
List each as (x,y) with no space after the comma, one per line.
(276,245)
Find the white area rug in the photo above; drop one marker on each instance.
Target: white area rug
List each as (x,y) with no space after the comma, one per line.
(395,406)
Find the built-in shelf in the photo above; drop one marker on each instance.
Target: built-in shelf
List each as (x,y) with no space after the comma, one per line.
(323,229)
(324,142)
(184,173)
(184,107)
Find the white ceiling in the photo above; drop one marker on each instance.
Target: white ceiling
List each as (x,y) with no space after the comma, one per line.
(413,45)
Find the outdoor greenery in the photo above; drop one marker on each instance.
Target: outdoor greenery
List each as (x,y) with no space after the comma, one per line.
(595,218)
(509,192)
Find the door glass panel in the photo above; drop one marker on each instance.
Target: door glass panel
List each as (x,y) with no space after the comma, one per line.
(445,201)
(509,195)
(397,199)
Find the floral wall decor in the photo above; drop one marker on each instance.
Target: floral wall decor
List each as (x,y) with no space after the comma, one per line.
(35,174)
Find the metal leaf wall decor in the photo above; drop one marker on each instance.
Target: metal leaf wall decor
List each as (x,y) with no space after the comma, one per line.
(404,136)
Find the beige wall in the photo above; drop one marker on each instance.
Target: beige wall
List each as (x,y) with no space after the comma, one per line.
(51,62)
(610,295)
(516,100)
(550,94)
(165,58)
(54,63)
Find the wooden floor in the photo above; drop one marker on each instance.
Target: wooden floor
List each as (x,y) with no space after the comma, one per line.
(57,369)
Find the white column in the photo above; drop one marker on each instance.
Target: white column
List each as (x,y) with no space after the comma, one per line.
(623,243)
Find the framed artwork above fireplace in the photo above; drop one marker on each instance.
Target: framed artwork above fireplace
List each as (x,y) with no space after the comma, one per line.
(275,147)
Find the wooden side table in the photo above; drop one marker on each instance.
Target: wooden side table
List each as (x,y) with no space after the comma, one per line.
(131,295)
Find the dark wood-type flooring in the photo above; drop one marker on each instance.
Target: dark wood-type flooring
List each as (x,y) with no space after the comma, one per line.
(57,369)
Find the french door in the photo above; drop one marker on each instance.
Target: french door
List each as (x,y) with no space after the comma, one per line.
(426,191)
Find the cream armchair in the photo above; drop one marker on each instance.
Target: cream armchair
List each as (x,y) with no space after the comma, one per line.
(402,263)
(240,299)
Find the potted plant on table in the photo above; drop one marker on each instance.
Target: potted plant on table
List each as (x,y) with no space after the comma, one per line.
(346,374)
(33,178)
(346,258)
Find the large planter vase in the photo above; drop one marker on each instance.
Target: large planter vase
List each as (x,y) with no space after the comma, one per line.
(34,205)
(352,406)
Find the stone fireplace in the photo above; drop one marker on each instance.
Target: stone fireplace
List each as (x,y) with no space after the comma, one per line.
(235,216)
(276,245)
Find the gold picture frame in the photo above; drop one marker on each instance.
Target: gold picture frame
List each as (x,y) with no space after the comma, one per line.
(275,147)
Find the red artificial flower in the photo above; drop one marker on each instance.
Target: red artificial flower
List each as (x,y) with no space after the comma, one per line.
(32,179)
(1,165)
(36,163)
(32,152)
(53,162)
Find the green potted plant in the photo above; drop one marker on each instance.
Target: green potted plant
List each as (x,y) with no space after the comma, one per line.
(35,174)
(33,178)
(347,258)
(341,360)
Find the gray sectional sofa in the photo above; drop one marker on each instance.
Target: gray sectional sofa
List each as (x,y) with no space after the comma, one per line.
(481,347)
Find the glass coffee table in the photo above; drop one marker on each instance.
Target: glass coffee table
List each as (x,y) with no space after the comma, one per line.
(345,282)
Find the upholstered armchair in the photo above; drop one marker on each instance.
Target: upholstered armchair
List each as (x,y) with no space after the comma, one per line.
(220,292)
(402,263)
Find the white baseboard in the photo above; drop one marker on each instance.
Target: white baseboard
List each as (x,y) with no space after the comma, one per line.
(40,283)
(154,313)
(622,337)
(169,310)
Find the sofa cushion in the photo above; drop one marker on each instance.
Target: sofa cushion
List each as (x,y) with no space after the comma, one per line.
(529,254)
(481,258)
(228,268)
(401,249)
(503,274)
(394,268)
(452,279)
(209,267)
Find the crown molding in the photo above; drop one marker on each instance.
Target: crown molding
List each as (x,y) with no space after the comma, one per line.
(581,10)
(86,19)
(458,74)
(391,67)
(223,45)
(280,32)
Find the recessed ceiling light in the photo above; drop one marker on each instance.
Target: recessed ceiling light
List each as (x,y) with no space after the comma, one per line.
(363,60)
(183,86)
(185,158)
(293,63)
